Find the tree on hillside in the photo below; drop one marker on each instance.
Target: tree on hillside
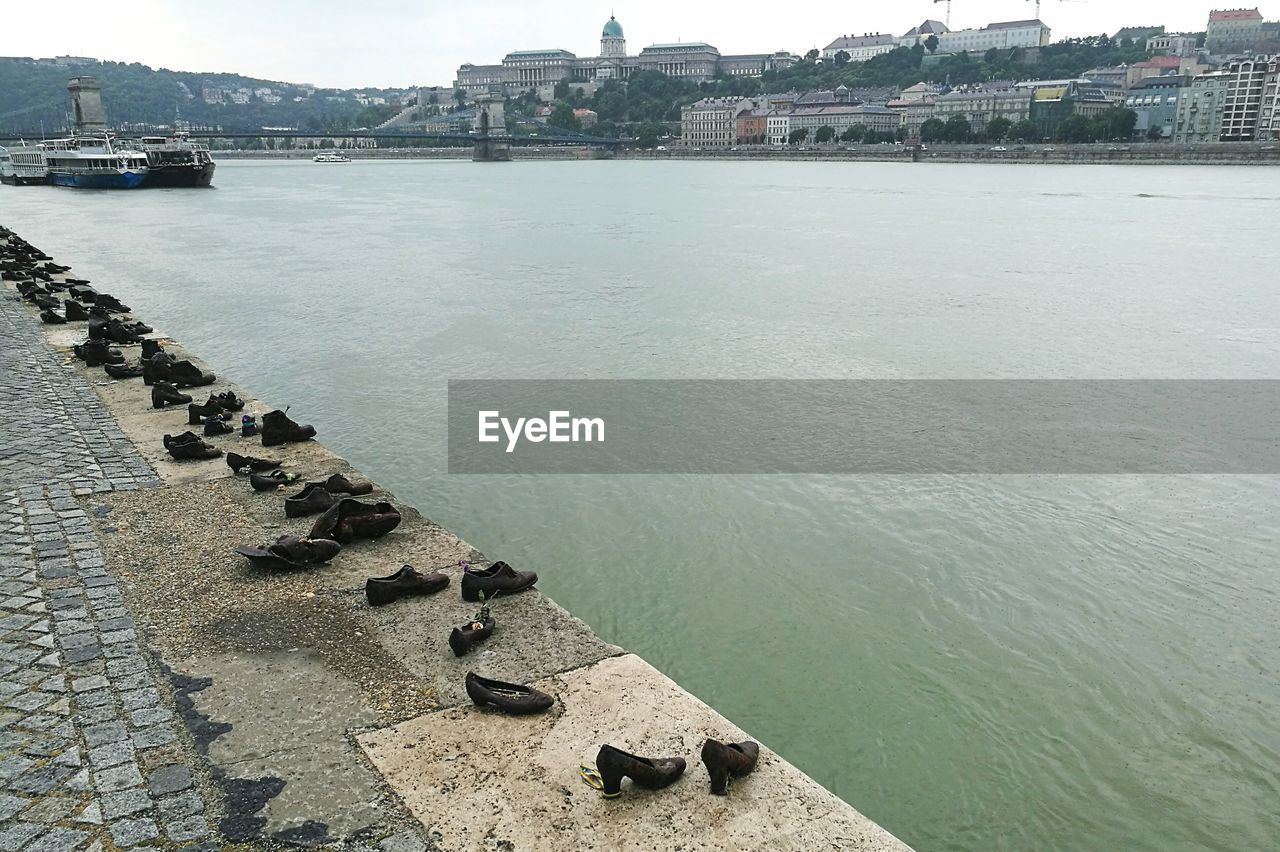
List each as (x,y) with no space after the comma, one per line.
(562,117)
(931,43)
(991,56)
(798,136)
(933,130)
(998,129)
(842,58)
(812,55)
(958,129)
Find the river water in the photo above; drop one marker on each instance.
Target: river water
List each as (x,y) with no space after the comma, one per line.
(976,662)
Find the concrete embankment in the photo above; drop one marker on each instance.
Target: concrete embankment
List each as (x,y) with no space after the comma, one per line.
(303,715)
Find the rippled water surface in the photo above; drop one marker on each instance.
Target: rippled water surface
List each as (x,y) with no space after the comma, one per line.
(975,662)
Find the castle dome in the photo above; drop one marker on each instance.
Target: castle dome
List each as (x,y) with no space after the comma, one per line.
(612,29)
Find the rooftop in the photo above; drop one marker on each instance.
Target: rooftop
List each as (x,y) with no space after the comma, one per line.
(868,40)
(1235,15)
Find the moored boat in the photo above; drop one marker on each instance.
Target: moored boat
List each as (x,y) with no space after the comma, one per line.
(328,157)
(177,161)
(94,162)
(27,166)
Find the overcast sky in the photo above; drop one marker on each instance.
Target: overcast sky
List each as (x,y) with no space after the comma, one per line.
(400,43)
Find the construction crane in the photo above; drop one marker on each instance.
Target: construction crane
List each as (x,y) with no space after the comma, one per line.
(1038,3)
(948,2)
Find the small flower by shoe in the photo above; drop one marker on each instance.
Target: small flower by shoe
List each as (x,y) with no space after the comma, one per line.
(407,582)
(238,463)
(514,698)
(463,638)
(291,552)
(654,773)
(278,429)
(313,498)
(163,393)
(497,578)
(725,761)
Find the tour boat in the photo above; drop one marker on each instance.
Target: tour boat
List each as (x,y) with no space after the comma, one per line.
(94,162)
(24,166)
(176,161)
(327,157)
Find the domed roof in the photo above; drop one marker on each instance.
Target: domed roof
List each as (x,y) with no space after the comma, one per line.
(612,28)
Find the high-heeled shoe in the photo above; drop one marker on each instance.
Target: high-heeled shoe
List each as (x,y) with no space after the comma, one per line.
(653,773)
(728,760)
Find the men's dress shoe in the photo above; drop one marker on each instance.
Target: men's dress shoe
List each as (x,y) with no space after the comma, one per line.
(118,332)
(121,371)
(74,310)
(311,499)
(653,773)
(278,429)
(407,582)
(462,639)
(348,520)
(498,578)
(339,483)
(82,281)
(156,368)
(215,426)
(237,463)
(96,353)
(151,348)
(45,302)
(197,414)
(227,401)
(271,480)
(728,760)
(291,552)
(111,303)
(163,393)
(191,448)
(52,317)
(185,374)
(514,698)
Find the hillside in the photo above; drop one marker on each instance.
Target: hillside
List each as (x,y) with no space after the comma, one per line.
(32,93)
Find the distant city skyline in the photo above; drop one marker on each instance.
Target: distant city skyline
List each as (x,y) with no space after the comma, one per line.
(396,43)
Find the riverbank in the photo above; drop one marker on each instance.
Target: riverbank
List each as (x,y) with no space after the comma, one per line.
(220,704)
(1146,153)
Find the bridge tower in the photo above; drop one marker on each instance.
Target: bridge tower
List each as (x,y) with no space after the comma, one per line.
(86,99)
(491,130)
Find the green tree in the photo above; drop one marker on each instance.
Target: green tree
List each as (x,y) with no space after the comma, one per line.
(824,134)
(992,56)
(798,136)
(1117,124)
(648,136)
(933,130)
(1077,128)
(854,133)
(842,58)
(562,117)
(998,129)
(958,129)
(1024,131)
(812,55)
(931,43)
(1155,133)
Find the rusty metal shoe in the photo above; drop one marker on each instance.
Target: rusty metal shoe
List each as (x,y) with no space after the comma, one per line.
(74,310)
(653,773)
(163,393)
(189,447)
(725,761)
(226,400)
(407,582)
(278,429)
(184,374)
(122,371)
(498,578)
(462,639)
(339,483)
(311,499)
(348,520)
(239,463)
(291,553)
(270,481)
(514,698)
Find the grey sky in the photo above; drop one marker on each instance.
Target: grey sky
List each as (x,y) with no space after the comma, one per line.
(398,43)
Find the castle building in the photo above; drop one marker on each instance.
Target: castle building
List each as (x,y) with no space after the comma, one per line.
(531,70)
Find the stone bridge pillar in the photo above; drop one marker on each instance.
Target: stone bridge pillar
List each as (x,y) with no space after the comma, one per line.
(491,130)
(86,98)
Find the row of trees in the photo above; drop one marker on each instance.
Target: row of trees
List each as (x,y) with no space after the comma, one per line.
(1114,125)
(854,134)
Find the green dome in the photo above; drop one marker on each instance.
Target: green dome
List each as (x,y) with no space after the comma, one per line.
(613,29)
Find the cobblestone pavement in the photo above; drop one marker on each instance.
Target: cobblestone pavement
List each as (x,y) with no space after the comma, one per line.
(88,745)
